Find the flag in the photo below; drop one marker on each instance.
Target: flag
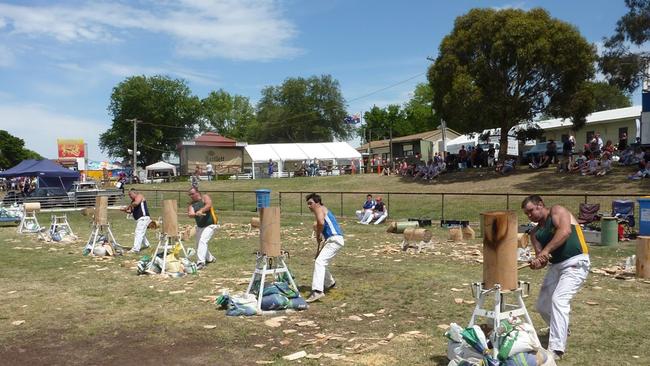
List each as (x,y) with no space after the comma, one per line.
(353,119)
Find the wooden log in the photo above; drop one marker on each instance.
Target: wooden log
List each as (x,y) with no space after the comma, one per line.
(392,227)
(500,249)
(88,211)
(101,210)
(32,207)
(255,222)
(415,234)
(522,240)
(270,231)
(455,234)
(170,218)
(403,225)
(468,233)
(643,257)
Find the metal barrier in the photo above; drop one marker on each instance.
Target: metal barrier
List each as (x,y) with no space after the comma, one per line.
(435,206)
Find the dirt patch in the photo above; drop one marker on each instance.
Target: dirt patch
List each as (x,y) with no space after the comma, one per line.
(118,349)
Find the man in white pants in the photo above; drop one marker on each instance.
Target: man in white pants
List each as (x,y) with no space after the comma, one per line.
(206,225)
(329,232)
(138,208)
(557,240)
(366,210)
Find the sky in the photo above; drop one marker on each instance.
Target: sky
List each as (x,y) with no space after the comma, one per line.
(60,60)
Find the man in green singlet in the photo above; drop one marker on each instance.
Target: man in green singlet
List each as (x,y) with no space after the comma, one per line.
(558,241)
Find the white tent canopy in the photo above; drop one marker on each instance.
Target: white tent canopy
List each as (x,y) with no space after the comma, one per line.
(280,153)
(160,166)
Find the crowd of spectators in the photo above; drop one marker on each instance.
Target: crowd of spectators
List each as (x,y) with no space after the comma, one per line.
(24,185)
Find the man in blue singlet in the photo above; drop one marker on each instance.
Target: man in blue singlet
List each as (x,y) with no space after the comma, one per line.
(329,232)
(558,240)
(138,208)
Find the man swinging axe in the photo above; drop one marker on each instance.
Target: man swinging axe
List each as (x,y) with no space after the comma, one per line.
(330,236)
(558,241)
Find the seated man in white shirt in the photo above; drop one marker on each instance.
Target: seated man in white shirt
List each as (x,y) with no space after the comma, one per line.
(366,211)
(379,214)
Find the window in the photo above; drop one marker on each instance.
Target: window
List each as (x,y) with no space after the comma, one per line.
(565,138)
(590,135)
(621,131)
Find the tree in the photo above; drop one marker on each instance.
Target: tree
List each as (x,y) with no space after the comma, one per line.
(623,67)
(419,111)
(498,68)
(229,115)
(167,111)
(608,96)
(12,150)
(380,121)
(301,110)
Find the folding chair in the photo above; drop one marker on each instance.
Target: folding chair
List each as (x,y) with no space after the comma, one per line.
(623,210)
(588,214)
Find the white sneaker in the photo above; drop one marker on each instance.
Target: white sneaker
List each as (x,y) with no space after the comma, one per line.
(133,251)
(315,296)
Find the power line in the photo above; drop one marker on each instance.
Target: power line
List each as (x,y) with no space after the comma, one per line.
(311,112)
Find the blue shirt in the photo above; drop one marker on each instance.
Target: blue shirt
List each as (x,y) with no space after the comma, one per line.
(330,226)
(368,205)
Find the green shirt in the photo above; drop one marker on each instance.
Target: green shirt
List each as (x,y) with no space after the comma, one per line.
(574,245)
(208,219)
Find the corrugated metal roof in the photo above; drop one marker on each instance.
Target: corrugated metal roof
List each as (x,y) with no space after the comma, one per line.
(594,118)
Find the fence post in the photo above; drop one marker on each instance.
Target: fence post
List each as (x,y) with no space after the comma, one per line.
(300,203)
(280,200)
(585,198)
(442,211)
(179,196)
(507,201)
(388,200)
(341,204)
(233,200)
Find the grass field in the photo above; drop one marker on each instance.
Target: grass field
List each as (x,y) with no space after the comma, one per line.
(81,310)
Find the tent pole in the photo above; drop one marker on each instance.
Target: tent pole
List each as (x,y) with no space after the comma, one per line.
(253,165)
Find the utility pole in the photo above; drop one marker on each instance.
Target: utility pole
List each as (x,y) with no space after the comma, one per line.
(135,145)
(443,124)
(390,145)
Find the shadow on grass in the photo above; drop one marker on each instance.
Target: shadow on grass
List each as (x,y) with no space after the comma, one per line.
(439,360)
(547,180)
(470,175)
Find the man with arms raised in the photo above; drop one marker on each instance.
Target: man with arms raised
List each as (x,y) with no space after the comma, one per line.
(138,208)
(327,230)
(558,240)
(206,224)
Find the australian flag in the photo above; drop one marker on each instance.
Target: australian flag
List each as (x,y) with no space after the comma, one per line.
(353,119)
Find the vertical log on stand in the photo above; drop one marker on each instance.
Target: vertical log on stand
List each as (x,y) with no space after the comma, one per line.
(270,231)
(643,257)
(500,249)
(170,218)
(101,210)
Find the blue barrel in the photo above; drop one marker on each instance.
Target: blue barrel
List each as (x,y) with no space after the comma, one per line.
(644,216)
(263,198)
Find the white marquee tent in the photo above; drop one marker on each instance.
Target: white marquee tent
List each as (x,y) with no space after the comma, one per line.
(280,153)
(160,166)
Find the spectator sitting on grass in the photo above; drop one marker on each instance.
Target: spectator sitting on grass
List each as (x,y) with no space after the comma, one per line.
(366,209)
(591,166)
(579,163)
(507,166)
(605,164)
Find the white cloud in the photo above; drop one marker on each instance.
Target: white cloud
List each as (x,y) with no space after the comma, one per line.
(519,5)
(39,127)
(6,56)
(123,71)
(242,30)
